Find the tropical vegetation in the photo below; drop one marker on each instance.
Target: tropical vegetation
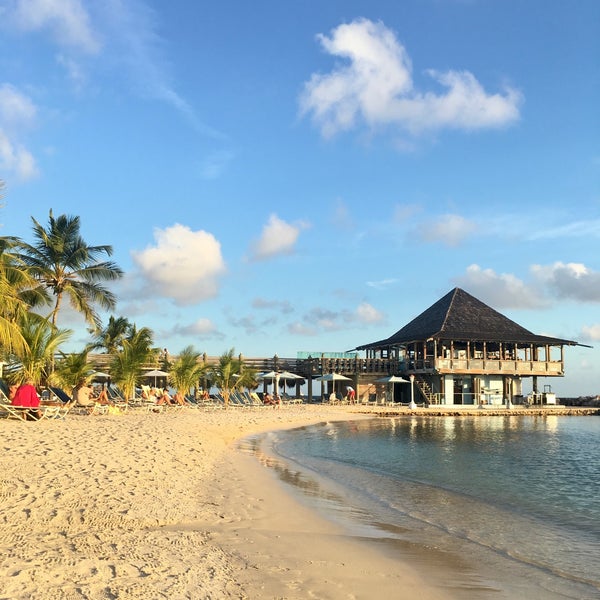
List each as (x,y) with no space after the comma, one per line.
(62,262)
(231,374)
(35,280)
(187,370)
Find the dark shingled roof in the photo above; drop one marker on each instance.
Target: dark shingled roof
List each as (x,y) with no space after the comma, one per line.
(460,316)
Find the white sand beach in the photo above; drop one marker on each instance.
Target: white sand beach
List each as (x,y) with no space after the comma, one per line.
(146,505)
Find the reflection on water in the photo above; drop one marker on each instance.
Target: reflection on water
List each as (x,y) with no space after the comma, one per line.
(513,500)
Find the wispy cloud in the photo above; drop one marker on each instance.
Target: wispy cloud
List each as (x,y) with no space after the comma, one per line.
(67,21)
(382,284)
(201,328)
(214,165)
(450,229)
(137,45)
(319,319)
(282,306)
(183,265)
(17,115)
(375,88)
(589,228)
(341,215)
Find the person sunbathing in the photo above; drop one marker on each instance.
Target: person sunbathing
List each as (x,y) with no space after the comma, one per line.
(82,394)
(26,396)
(165,398)
(103,398)
(178,398)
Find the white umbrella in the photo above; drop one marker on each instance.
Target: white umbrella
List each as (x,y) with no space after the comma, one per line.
(333,377)
(392,379)
(155,373)
(276,376)
(99,375)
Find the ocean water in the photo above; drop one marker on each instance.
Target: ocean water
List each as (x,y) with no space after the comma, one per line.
(494,507)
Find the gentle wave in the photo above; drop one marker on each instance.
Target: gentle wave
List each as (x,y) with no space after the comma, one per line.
(512,504)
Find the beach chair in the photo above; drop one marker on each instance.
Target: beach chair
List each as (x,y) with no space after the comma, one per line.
(26,413)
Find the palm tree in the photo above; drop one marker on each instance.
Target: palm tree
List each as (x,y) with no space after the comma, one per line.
(230,374)
(111,337)
(61,261)
(42,342)
(127,365)
(186,370)
(72,368)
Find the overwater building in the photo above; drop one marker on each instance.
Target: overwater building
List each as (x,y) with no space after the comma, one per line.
(461,351)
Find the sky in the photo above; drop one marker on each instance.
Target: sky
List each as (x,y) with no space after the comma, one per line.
(286,176)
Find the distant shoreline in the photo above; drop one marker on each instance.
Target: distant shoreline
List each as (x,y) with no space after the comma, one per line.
(484,411)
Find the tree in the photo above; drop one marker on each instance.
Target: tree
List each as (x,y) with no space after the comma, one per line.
(62,262)
(186,370)
(127,365)
(42,342)
(110,338)
(71,368)
(230,374)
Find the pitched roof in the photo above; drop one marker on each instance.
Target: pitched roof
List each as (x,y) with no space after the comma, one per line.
(460,316)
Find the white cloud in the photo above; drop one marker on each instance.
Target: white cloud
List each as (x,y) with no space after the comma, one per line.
(366,313)
(67,20)
(202,328)
(376,87)
(450,230)
(277,238)
(570,280)
(17,114)
(16,159)
(184,265)
(590,332)
(500,290)
(16,109)
(298,328)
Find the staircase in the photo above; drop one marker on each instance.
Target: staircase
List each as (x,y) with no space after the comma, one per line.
(425,389)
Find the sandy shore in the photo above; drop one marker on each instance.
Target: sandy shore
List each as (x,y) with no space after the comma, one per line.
(163,506)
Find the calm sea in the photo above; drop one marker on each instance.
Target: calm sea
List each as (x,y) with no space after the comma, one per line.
(488,507)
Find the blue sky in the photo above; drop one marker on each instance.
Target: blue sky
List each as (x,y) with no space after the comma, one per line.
(294,176)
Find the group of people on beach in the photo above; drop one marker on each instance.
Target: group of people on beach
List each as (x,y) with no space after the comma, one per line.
(86,396)
(349,398)
(162,397)
(271,400)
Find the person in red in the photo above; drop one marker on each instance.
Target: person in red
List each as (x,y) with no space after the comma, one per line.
(27,396)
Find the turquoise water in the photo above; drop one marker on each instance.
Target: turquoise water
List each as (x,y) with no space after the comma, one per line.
(503,507)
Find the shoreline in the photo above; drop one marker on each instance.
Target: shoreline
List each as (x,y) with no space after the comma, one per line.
(145,505)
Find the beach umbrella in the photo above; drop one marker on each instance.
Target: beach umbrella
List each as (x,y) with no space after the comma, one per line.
(392,379)
(276,376)
(333,377)
(156,374)
(100,376)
